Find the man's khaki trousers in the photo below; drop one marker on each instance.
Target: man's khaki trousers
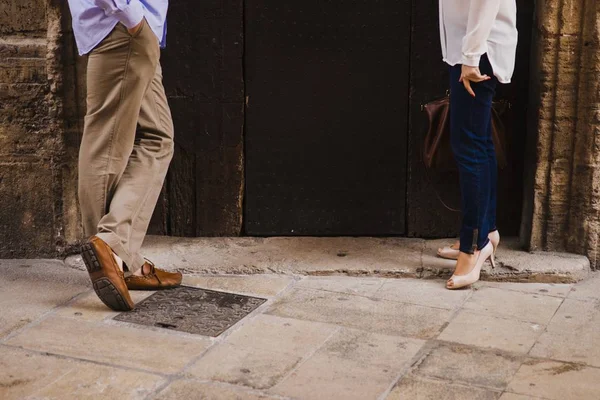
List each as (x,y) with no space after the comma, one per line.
(127,141)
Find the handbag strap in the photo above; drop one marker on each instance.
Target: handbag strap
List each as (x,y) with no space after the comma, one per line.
(431,143)
(439,197)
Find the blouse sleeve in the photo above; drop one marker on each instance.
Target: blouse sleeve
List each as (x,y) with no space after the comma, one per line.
(482,14)
(128,12)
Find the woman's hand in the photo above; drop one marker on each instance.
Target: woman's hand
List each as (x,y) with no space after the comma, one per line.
(471,74)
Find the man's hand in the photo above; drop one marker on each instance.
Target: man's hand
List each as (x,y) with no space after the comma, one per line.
(471,74)
(133,31)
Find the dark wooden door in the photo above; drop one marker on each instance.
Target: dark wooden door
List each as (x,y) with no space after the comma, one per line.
(326,116)
(330,94)
(202,68)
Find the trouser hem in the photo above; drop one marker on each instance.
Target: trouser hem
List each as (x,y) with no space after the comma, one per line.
(133,261)
(471,250)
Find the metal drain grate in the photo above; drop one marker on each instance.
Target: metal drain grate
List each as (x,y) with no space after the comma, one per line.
(192,310)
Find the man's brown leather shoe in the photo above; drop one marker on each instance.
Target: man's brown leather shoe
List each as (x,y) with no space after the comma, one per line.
(156,279)
(107,278)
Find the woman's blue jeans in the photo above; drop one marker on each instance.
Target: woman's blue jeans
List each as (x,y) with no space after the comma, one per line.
(473,148)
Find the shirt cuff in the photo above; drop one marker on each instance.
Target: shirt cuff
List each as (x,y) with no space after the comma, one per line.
(131,15)
(471,60)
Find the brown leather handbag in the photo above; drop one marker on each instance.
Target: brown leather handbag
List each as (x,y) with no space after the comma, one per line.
(437,151)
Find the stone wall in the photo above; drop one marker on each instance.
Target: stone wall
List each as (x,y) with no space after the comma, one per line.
(33,156)
(562,204)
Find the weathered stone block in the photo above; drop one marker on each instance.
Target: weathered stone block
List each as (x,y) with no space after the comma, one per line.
(18,46)
(556,17)
(24,121)
(22,102)
(22,16)
(26,210)
(21,139)
(23,70)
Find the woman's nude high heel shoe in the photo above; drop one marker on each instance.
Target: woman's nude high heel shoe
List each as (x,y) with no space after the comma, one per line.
(452,252)
(495,240)
(449,252)
(459,281)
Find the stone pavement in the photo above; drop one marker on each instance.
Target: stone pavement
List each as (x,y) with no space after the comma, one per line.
(332,337)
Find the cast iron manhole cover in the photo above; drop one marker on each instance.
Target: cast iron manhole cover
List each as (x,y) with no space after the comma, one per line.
(192,310)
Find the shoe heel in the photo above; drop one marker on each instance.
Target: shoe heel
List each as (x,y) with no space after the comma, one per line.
(106,290)
(90,259)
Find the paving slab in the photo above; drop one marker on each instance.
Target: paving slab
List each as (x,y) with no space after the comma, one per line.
(114,343)
(513,396)
(469,366)
(88,307)
(100,382)
(30,288)
(23,373)
(29,375)
(352,365)
(491,332)
(373,315)
(32,271)
(425,292)
(588,289)
(190,389)
(573,334)
(527,307)
(263,352)
(366,286)
(556,381)
(412,387)
(546,289)
(253,285)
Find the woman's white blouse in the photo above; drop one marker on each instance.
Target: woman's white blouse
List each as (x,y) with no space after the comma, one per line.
(471,28)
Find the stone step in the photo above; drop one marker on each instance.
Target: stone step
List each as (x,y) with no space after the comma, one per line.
(353,256)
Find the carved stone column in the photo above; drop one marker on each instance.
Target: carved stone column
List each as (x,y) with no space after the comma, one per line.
(562,192)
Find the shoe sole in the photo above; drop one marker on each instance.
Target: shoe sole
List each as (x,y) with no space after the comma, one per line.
(155,289)
(104,288)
